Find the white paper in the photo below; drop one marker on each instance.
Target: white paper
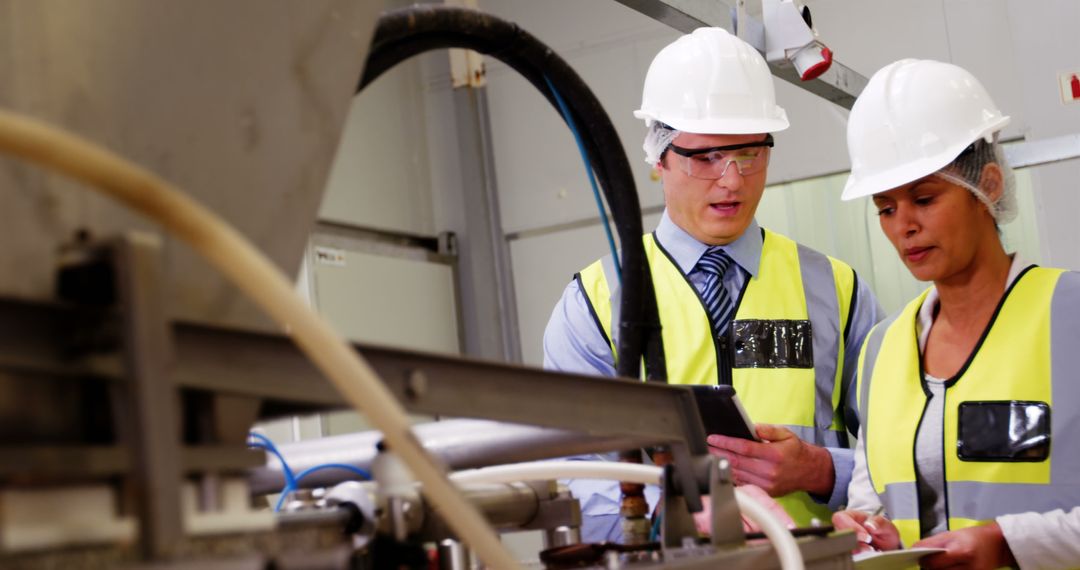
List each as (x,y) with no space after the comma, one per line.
(892,559)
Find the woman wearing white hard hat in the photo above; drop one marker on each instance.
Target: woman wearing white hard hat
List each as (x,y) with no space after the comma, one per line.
(968,396)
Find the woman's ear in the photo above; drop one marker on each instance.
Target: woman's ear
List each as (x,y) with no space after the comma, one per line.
(992,182)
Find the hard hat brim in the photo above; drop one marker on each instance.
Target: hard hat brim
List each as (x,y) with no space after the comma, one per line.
(861,186)
(726,126)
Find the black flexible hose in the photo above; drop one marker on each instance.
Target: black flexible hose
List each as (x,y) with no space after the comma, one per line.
(404,33)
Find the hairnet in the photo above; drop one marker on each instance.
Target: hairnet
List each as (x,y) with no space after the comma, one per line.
(966,171)
(657,140)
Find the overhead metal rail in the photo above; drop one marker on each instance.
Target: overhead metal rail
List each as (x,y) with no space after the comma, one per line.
(839,84)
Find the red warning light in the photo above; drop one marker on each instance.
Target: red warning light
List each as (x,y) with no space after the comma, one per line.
(1075,84)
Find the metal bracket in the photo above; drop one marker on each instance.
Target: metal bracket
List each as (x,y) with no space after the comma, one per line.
(725,520)
(727,529)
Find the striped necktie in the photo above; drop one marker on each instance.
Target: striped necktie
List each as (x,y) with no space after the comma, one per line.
(715,296)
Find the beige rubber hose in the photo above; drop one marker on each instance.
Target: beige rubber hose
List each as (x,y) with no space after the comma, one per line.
(258,278)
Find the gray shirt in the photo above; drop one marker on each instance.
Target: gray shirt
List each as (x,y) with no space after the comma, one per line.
(930,461)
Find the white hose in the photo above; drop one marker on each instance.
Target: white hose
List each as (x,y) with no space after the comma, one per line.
(544,470)
(257,277)
(787,550)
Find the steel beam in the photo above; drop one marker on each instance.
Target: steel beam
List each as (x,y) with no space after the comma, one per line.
(485,278)
(79,463)
(1043,151)
(270,367)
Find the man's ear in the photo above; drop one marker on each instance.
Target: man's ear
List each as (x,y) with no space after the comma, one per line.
(992,182)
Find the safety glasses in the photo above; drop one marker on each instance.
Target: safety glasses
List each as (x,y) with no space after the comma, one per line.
(712,163)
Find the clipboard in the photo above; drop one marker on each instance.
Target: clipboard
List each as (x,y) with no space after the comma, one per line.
(721,413)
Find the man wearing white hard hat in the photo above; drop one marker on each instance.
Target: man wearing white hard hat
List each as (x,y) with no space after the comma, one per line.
(969,397)
(738,304)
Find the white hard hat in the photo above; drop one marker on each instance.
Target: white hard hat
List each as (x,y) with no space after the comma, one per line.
(913,118)
(711,82)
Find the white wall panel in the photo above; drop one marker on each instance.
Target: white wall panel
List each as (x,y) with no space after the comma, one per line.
(1046,43)
(541,179)
(570,24)
(540,173)
(980,40)
(816,142)
(380,176)
(1044,34)
(391,301)
(543,266)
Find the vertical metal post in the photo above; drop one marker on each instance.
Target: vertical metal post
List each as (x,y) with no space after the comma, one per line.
(489,308)
(453,555)
(152,429)
(562,536)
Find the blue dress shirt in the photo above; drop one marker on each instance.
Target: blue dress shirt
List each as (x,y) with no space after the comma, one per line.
(572,343)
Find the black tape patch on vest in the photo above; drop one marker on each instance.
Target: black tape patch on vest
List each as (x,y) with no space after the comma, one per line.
(772,344)
(1007,431)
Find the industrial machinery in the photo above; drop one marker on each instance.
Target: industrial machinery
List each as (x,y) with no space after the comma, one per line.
(131,370)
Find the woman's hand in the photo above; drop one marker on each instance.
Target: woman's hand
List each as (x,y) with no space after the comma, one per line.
(762,498)
(874,532)
(982,546)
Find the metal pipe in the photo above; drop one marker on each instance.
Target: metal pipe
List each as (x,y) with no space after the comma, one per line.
(453,556)
(460,444)
(562,536)
(505,506)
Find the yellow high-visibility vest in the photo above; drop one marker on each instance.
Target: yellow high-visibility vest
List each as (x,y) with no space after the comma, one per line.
(1026,361)
(785,346)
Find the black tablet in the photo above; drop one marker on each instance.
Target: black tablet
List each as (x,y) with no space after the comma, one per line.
(721,413)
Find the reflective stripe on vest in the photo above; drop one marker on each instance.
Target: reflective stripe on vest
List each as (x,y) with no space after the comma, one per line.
(1031,340)
(794,283)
